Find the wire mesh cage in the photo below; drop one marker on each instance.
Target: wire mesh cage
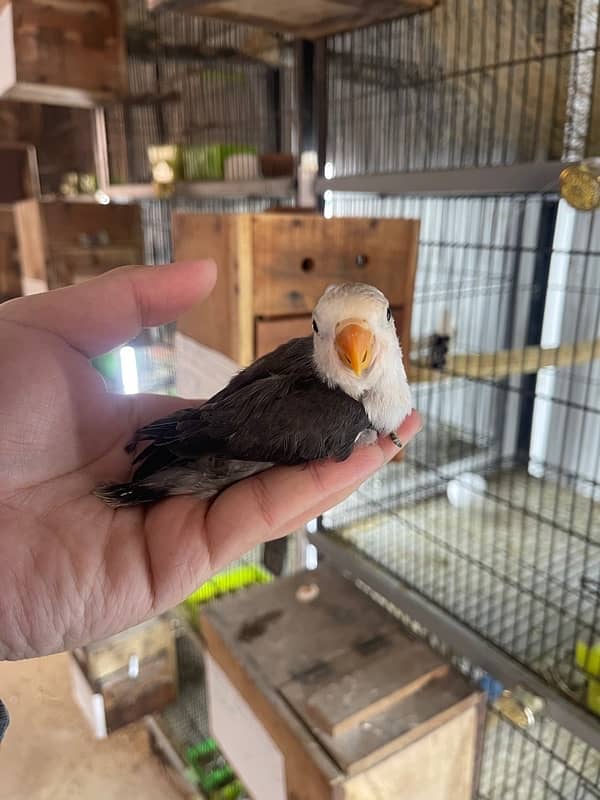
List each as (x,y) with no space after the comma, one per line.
(493,514)
(515,554)
(211,87)
(471,83)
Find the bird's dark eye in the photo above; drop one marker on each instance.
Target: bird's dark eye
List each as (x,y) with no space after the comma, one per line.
(315,327)
(389,314)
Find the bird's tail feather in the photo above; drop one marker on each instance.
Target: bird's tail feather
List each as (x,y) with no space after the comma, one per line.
(128,494)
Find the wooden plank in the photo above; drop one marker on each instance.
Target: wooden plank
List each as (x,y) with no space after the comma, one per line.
(213,323)
(297,256)
(128,699)
(31,238)
(436,767)
(145,640)
(309,20)
(310,774)
(286,638)
(243,288)
(363,683)
(272,188)
(270,333)
(501,364)
(413,717)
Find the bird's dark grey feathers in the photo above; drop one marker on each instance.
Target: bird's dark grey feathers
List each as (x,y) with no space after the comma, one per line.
(276,411)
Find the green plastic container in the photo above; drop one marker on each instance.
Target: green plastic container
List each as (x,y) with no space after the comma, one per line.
(232,580)
(216,778)
(232,791)
(202,751)
(235,149)
(206,162)
(202,162)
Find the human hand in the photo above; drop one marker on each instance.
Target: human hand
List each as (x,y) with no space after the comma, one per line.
(73,570)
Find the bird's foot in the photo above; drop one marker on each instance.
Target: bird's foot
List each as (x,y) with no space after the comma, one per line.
(366,438)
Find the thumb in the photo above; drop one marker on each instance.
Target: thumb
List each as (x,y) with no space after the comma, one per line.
(103,312)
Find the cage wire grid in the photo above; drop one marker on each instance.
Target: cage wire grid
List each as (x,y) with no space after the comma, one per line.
(513,83)
(519,563)
(194,81)
(472,83)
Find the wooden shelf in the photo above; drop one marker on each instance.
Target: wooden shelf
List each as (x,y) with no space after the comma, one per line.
(504,363)
(304,20)
(261,187)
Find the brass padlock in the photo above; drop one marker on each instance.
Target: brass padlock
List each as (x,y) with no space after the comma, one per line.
(580,184)
(521,707)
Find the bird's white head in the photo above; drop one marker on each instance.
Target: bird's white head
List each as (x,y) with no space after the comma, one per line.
(356,349)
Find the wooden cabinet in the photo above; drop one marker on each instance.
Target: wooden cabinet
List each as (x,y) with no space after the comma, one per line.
(274,267)
(61,52)
(64,243)
(337,698)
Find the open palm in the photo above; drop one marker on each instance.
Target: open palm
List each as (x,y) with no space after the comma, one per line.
(71,569)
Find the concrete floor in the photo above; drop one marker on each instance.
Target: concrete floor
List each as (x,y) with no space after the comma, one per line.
(49,753)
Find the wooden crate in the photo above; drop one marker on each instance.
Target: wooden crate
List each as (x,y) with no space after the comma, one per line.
(274,267)
(112,690)
(64,243)
(334,699)
(307,20)
(10,276)
(61,52)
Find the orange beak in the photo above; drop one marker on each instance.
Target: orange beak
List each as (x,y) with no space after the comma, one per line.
(354,344)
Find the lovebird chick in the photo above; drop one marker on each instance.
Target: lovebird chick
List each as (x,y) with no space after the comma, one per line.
(315,397)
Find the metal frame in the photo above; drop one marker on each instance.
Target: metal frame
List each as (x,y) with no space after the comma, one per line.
(259,188)
(453,632)
(100,148)
(533,178)
(536,320)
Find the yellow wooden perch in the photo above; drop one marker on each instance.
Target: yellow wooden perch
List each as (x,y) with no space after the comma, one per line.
(504,363)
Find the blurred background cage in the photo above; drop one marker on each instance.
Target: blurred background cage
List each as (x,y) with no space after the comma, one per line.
(486,537)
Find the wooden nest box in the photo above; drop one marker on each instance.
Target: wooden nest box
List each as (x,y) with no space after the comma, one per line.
(62,243)
(61,52)
(274,267)
(317,693)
